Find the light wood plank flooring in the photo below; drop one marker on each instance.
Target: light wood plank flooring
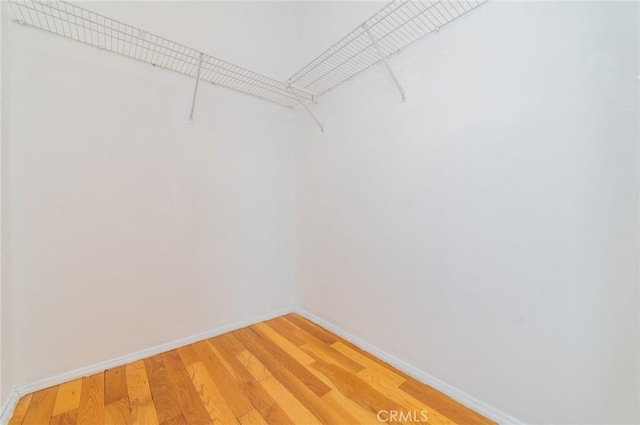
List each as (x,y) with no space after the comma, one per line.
(279,372)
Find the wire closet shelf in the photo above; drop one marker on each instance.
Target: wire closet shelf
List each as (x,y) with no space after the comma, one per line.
(88,27)
(393,28)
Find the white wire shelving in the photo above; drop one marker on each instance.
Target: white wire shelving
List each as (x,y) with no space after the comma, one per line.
(393,28)
(88,27)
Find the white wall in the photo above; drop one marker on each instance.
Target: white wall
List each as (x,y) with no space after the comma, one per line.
(485,231)
(2,27)
(132,227)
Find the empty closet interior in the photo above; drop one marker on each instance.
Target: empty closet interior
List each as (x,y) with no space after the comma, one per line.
(319,212)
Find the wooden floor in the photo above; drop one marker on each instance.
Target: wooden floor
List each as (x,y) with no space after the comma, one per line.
(283,371)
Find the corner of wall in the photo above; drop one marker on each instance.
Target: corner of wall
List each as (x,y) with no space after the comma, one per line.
(5,396)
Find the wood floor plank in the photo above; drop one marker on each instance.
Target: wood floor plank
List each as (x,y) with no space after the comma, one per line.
(115,384)
(286,370)
(118,413)
(137,383)
(351,411)
(226,354)
(144,414)
(192,408)
(69,417)
(265,405)
(230,341)
(288,402)
(282,342)
(162,391)
(213,400)
(391,391)
(356,389)
(252,418)
(286,329)
(388,373)
(68,397)
(21,410)
(188,355)
(41,406)
(234,395)
(361,354)
(320,351)
(315,330)
(175,421)
(253,365)
(288,379)
(283,358)
(444,404)
(317,348)
(91,410)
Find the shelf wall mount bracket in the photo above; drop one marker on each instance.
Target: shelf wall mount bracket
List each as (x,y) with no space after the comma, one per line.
(304,105)
(195,90)
(383,58)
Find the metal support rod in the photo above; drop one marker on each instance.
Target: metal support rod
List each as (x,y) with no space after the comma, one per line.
(384,61)
(306,107)
(195,91)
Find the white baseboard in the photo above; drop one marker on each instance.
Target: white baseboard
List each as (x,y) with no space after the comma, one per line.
(458,395)
(9,406)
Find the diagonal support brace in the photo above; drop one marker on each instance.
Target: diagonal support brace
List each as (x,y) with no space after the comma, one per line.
(305,107)
(385,62)
(195,91)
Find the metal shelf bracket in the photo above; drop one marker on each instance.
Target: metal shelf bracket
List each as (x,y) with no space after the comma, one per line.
(374,41)
(291,89)
(195,90)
